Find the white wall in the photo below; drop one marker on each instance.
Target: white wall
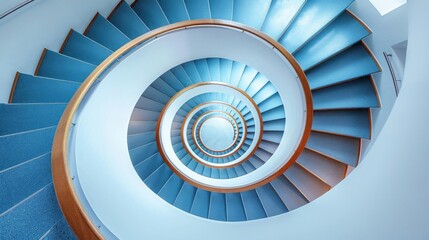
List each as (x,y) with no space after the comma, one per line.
(41,24)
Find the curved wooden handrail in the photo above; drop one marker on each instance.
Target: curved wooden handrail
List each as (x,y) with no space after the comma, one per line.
(69,202)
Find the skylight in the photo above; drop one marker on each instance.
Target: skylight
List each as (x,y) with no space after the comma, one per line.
(386,6)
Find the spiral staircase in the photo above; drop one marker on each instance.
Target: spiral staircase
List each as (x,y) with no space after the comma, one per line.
(324,38)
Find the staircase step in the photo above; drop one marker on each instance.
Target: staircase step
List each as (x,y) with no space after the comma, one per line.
(175,10)
(331,171)
(274,137)
(20,222)
(353,63)
(198,9)
(171,189)
(341,148)
(136,127)
(18,148)
(359,93)
(234,208)
(158,178)
(279,17)
(83,48)
(258,83)
(144,115)
(21,181)
(345,31)
(16,118)
(274,114)
(185,198)
(61,230)
(221,9)
(151,13)
(149,104)
(247,78)
(253,14)
(288,193)
(142,153)
(33,89)
(252,205)
(141,139)
(59,66)
(201,204)
(271,201)
(148,166)
(217,206)
(353,123)
(312,19)
(127,21)
(310,186)
(105,33)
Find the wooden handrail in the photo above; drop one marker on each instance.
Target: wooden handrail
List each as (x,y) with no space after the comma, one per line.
(70,204)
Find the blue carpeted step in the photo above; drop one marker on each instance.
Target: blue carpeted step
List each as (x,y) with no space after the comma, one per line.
(83,48)
(59,66)
(274,114)
(61,230)
(312,18)
(272,136)
(201,204)
(158,178)
(253,14)
(307,183)
(192,71)
(267,91)
(20,222)
(353,123)
(185,198)
(181,75)
(149,104)
(142,153)
(16,118)
(271,201)
(359,93)
(275,125)
(144,115)
(217,210)
(163,87)
(127,21)
(175,10)
(136,127)
(252,205)
(258,83)
(203,70)
(140,139)
(214,68)
(279,17)
(171,189)
(149,165)
(345,31)
(18,148)
(33,89)
(342,148)
(221,9)
(269,147)
(331,171)
(198,9)
(151,13)
(235,208)
(288,193)
(356,62)
(246,79)
(105,33)
(21,181)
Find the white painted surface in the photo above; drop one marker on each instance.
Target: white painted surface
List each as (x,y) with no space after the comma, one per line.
(386,6)
(41,24)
